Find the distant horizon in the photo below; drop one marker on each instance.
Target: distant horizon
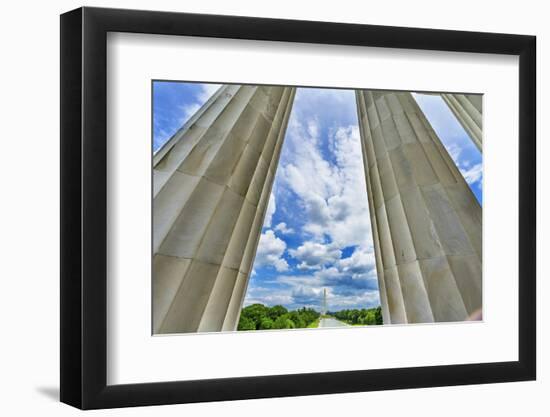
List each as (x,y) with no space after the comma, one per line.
(313,308)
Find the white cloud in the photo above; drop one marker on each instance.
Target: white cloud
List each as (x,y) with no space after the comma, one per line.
(472,174)
(188,111)
(350,282)
(207,90)
(343,290)
(361,260)
(270,211)
(314,255)
(284,229)
(321,184)
(160,138)
(204,93)
(452,135)
(454,151)
(266,296)
(332,194)
(270,252)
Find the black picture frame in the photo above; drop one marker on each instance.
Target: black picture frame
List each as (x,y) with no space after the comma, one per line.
(84,207)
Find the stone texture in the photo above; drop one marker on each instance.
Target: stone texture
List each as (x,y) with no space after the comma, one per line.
(426,222)
(211,185)
(468,110)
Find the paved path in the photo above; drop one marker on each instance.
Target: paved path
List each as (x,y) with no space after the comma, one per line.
(330,322)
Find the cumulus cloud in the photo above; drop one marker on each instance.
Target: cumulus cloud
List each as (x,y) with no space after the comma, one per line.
(188,111)
(350,281)
(454,151)
(321,187)
(344,290)
(454,138)
(361,261)
(284,229)
(268,296)
(321,191)
(270,211)
(306,296)
(204,92)
(270,252)
(332,193)
(472,175)
(313,255)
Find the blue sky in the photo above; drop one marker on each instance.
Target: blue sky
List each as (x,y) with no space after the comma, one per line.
(316,232)
(173,104)
(459,145)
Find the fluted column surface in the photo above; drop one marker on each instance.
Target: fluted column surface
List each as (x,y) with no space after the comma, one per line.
(211,189)
(468,110)
(426,222)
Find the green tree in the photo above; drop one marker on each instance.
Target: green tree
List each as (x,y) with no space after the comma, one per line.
(370,317)
(246,324)
(356,316)
(276,311)
(260,317)
(255,312)
(365,316)
(378,316)
(266,324)
(284,322)
(297,319)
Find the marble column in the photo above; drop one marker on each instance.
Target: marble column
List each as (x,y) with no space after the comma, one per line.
(468,110)
(211,187)
(426,222)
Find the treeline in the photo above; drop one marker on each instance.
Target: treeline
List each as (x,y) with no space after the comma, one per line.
(260,317)
(365,316)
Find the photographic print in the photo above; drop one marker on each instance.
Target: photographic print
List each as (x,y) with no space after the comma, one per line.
(328,185)
(282,207)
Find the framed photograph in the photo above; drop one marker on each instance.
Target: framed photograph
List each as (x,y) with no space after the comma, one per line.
(258,208)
